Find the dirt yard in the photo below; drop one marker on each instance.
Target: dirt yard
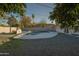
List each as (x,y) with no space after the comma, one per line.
(60,45)
(5,38)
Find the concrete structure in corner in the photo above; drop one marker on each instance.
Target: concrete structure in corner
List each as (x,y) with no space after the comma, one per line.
(42,35)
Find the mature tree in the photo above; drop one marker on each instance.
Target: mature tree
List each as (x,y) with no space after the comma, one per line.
(12,22)
(10,9)
(66,15)
(25,21)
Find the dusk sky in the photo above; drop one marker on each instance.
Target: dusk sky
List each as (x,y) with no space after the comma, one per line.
(41,11)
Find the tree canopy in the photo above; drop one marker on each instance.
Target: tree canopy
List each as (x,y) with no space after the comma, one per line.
(65,14)
(33,16)
(12,21)
(7,8)
(25,21)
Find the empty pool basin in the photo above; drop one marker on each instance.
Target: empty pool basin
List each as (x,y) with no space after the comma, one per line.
(39,35)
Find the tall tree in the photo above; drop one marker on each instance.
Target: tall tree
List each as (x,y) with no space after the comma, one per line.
(33,16)
(66,15)
(10,9)
(12,22)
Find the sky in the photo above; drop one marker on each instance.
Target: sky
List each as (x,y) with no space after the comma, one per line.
(41,11)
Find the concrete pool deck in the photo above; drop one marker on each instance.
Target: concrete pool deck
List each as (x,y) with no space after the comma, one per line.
(42,35)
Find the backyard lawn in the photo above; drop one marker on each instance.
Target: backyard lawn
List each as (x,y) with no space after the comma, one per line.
(62,44)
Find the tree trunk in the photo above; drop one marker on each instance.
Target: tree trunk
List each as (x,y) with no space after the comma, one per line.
(16,29)
(10,29)
(66,30)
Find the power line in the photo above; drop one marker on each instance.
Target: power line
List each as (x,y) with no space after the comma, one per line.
(43,5)
(40,4)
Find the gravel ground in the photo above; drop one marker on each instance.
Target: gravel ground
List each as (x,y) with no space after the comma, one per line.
(60,45)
